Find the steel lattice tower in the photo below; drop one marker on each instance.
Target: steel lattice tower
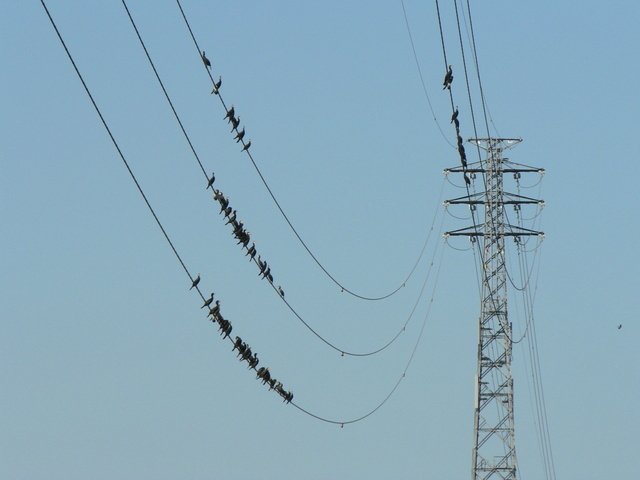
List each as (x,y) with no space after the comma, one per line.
(494,451)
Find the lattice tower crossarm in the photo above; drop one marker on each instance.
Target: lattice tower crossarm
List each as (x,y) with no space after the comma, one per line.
(494,450)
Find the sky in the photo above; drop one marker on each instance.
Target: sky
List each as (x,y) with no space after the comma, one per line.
(108,365)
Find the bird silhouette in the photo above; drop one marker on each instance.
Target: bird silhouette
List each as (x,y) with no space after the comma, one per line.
(211,180)
(208,301)
(206,60)
(246,146)
(230,113)
(239,136)
(448,78)
(195,282)
(454,117)
(216,86)
(619,326)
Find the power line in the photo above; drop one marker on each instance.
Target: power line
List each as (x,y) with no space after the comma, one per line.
(422,82)
(404,372)
(277,203)
(332,345)
(217,316)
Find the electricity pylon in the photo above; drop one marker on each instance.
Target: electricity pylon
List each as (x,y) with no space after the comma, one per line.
(494,450)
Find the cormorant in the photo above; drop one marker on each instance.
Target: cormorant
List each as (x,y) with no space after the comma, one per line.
(454,117)
(208,301)
(448,78)
(216,86)
(206,60)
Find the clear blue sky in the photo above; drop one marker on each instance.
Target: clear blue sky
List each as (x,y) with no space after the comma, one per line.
(108,366)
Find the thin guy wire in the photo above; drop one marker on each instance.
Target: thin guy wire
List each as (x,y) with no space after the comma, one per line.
(424,86)
(475,56)
(404,372)
(400,331)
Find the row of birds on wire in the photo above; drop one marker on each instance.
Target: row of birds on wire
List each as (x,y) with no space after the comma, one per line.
(243,236)
(244,352)
(231,112)
(448,80)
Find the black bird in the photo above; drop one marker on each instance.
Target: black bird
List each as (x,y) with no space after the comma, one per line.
(206,60)
(619,326)
(208,301)
(235,123)
(211,180)
(460,141)
(195,282)
(466,179)
(215,310)
(230,113)
(456,122)
(246,146)
(253,362)
(216,86)
(280,291)
(454,117)
(448,78)
(239,136)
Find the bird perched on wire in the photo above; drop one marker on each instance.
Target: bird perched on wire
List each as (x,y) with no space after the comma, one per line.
(216,86)
(246,146)
(208,301)
(195,282)
(448,78)
(230,114)
(239,136)
(467,180)
(235,123)
(454,117)
(211,180)
(206,60)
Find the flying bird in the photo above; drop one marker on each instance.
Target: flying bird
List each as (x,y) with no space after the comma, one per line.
(195,282)
(206,60)
(448,78)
